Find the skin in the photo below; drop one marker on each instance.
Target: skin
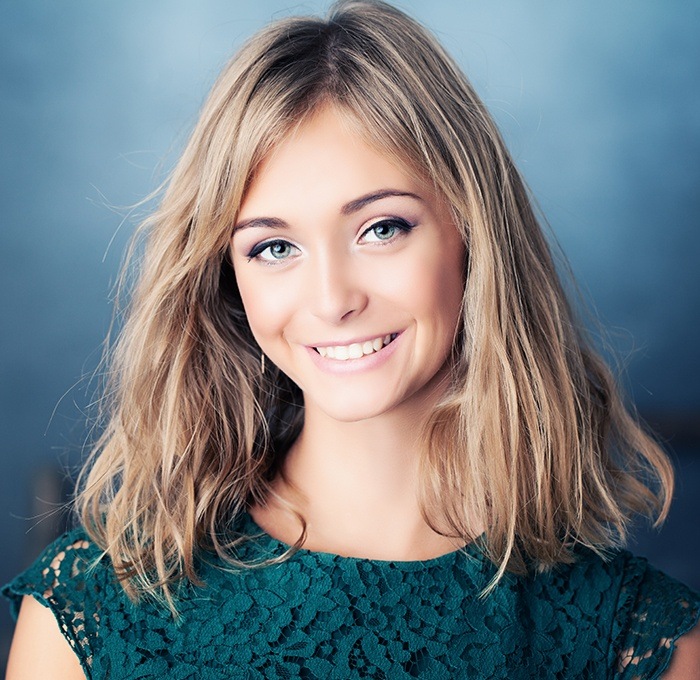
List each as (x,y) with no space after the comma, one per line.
(355,461)
(39,649)
(685,662)
(331,278)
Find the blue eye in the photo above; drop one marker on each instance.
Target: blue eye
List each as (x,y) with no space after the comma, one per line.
(387,229)
(279,250)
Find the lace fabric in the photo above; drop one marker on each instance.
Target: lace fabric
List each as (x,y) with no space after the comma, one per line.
(321,616)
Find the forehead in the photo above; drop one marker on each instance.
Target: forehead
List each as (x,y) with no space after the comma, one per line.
(324,159)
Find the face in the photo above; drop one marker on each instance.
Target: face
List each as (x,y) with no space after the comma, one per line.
(350,272)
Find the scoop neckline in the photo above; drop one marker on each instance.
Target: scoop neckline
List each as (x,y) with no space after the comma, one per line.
(470,550)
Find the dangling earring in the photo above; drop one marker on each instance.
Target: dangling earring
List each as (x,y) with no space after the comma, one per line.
(262,363)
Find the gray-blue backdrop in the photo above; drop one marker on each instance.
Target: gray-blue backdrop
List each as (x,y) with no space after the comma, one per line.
(600,104)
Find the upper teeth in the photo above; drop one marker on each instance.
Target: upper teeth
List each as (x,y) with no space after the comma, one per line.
(357,349)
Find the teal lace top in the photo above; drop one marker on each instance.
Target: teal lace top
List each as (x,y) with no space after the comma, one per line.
(322,616)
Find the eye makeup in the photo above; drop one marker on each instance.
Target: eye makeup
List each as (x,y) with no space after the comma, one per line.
(386,230)
(260,248)
(394,223)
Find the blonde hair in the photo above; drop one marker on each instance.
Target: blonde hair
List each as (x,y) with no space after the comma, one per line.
(533,437)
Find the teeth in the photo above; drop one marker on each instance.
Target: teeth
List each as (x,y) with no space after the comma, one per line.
(356,350)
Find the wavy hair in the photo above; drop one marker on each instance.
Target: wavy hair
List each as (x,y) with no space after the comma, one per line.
(533,437)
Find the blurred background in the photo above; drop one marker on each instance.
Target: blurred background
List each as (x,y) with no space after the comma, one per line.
(599,103)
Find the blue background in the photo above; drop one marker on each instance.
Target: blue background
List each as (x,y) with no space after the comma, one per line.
(598,101)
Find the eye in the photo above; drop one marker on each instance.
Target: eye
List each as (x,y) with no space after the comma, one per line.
(387,230)
(278,250)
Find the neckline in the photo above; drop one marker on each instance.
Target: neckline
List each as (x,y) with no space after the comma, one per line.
(274,545)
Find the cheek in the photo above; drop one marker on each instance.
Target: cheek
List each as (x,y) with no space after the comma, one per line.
(442,305)
(265,305)
(451,282)
(431,284)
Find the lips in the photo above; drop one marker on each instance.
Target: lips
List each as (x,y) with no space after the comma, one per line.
(363,364)
(355,350)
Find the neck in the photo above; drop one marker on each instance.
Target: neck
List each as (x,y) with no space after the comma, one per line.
(357,486)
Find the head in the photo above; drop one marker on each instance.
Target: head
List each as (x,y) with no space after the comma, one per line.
(395,88)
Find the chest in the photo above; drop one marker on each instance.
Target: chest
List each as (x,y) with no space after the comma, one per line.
(361,621)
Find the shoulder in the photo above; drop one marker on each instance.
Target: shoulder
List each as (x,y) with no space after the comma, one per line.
(57,600)
(632,613)
(59,572)
(653,615)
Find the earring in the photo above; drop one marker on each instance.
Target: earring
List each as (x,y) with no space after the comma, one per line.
(262,363)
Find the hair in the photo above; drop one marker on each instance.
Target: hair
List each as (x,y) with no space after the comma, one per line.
(532,437)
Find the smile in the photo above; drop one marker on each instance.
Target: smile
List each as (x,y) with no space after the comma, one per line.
(356,350)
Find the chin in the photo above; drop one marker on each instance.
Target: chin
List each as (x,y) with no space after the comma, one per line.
(353,413)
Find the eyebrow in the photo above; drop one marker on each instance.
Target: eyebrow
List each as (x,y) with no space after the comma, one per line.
(348,209)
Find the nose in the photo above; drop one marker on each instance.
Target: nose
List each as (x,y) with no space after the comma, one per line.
(336,289)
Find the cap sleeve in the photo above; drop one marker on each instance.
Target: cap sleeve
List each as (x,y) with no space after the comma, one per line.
(654,610)
(66,579)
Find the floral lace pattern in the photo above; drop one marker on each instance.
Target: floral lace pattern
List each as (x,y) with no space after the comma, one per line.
(319,616)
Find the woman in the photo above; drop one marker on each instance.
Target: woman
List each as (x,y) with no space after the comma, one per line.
(353,428)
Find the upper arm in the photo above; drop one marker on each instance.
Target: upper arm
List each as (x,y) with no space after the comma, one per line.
(39,649)
(685,661)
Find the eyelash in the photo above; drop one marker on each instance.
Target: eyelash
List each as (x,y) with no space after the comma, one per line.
(403,226)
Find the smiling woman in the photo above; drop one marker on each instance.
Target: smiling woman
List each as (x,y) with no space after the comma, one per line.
(353,428)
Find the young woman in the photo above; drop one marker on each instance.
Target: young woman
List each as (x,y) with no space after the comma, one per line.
(354,430)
